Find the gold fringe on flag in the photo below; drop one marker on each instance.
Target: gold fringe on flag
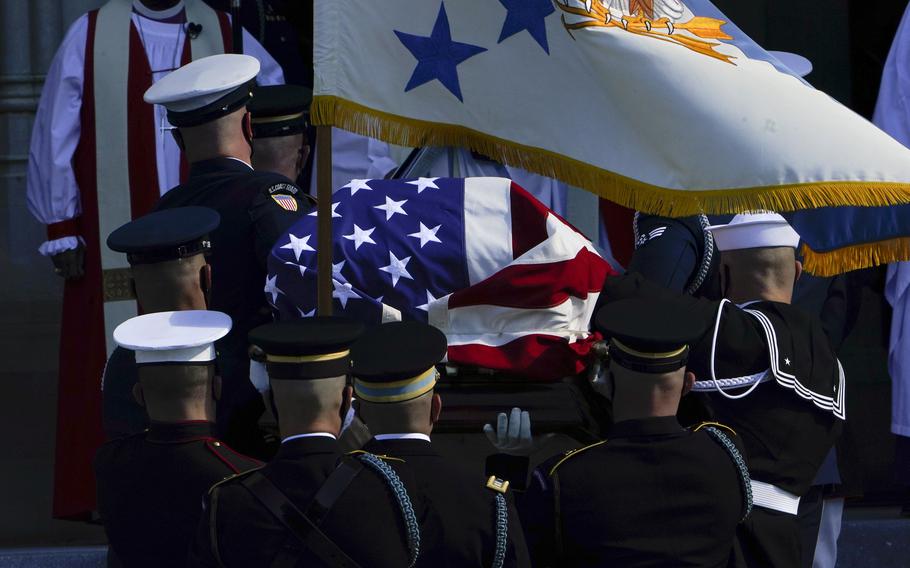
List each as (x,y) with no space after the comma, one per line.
(335,111)
(855,257)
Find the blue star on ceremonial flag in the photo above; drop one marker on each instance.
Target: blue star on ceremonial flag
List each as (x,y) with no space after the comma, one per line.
(527,15)
(438,56)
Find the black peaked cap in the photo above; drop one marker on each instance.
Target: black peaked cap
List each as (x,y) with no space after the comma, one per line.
(279,110)
(306,336)
(165,235)
(396,351)
(650,327)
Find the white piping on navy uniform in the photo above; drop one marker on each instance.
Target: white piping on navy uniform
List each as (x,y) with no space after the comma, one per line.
(717,386)
(635,231)
(790,381)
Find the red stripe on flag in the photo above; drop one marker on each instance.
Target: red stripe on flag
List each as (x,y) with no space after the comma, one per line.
(537,285)
(617,221)
(529,220)
(536,357)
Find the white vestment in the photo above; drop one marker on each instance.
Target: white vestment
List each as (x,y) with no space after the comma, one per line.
(52,192)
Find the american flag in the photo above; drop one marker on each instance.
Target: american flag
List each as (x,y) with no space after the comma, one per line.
(512,285)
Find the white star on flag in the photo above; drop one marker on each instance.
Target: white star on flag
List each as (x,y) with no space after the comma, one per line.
(424,183)
(298,245)
(334,213)
(391,207)
(430,300)
(271,287)
(343,291)
(426,235)
(356,185)
(336,270)
(309,314)
(360,236)
(397,268)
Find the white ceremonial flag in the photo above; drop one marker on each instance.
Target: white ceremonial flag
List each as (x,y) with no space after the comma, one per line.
(660,105)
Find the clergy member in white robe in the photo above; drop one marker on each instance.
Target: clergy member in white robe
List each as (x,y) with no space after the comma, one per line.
(99,157)
(892,114)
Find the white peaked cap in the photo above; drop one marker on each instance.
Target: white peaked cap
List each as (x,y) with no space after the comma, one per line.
(794,62)
(754,230)
(173,337)
(202,81)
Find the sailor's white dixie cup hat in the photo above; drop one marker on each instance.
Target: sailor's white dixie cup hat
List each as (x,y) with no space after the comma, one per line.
(754,230)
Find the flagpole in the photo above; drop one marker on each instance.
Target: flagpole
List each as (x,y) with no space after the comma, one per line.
(324,220)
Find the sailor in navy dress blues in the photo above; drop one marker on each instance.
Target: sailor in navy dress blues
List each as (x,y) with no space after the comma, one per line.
(771,374)
(300,509)
(206,102)
(167,253)
(150,484)
(653,493)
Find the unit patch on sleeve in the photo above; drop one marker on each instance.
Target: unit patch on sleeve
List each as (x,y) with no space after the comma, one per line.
(285,201)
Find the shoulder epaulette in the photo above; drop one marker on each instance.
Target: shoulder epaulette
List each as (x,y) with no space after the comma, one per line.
(383,457)
(230,478)
(715,425)
(572,453)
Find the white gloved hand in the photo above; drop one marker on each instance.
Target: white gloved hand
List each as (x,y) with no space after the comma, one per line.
(512,434)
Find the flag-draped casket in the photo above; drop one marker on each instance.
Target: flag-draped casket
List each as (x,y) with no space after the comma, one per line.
(511,284)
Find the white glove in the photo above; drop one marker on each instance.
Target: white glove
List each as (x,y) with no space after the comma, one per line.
(512,434)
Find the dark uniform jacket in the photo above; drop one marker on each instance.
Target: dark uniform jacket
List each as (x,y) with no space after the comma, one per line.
(256,208)
(787,424)
(151,486)
(652,494)
(237,531)
(454,511)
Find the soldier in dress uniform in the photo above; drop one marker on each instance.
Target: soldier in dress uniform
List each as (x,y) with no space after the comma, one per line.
(169,272)
(206,102)
(770,372)
(463,519)
(279,118)
(150,485)
(300,509)
(653,493)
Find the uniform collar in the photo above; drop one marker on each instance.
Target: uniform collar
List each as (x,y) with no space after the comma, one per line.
(295,447)
(400,447)
(171,432)
(309,435)
(221,164)
(644,427)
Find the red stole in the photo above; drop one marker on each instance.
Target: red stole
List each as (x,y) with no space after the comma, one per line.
(83,352)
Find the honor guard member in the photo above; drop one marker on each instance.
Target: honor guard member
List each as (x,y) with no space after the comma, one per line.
(206,102)
(770,373)
(300,509)
(463,519)
(653,493)
(279,119)
(151,484)
(168,272)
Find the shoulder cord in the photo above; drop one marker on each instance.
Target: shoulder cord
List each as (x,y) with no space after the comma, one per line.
(404,501)
(704,266)
(740,464)
(502,531)
(706,258)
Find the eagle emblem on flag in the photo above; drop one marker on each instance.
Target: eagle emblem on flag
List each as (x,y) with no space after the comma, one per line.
(286,202)
(666,20)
